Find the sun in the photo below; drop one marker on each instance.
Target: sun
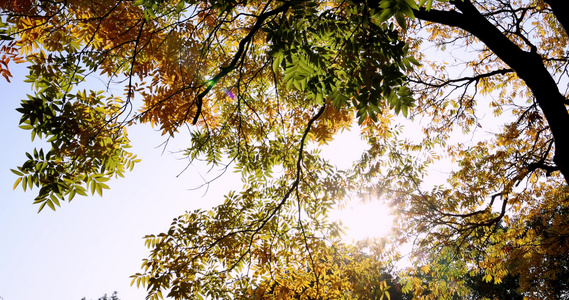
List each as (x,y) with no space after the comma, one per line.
(371,219)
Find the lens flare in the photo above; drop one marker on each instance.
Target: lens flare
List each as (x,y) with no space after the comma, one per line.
(229,94)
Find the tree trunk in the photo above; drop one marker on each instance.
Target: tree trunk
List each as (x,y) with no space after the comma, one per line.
(528,66)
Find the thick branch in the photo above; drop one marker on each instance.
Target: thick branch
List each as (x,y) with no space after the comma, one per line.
(238,55)
(539,165)
(527,65)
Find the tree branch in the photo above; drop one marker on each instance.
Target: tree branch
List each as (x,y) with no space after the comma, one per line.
(527,65)
(540,165)
(238,55)
(467,79)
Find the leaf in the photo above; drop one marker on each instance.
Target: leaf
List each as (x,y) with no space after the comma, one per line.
(408,10)
(277,61)
(17,183)
(55,200)
(50,204)
(385,15)
(42,205)
(404,110)
(71,195)
(413,5)
(401,20)
(17,172)
(80,190)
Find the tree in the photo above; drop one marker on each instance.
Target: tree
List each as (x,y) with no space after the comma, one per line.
(257,81)
(518,176)
(447,275)
(114,296)
(275,101)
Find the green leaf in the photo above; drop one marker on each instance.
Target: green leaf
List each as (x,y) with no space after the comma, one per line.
(385,4)
(102,179)
(71,195)
(361,119)
(413,61)
(297,85)
(80,190)
(104,186)
(25,183)
(385,15)
(404,110)
(17,172)
(372,115)
(31,181)
(41,207)
(408,11)
(55,200)
(99,189)
(412,4)
(400,18)
(50,204)
(277,61)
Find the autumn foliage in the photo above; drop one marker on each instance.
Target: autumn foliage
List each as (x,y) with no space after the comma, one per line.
(257,82)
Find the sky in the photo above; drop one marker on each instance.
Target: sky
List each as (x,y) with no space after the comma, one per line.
(92,245)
